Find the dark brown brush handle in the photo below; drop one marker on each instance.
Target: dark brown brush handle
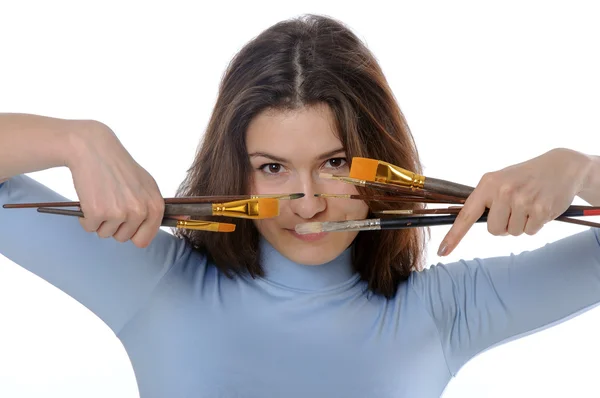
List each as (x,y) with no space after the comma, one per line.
(447,188)
(176,209)
(188,209)
(578,222)
(166,222)
(416,193)
(431,221)
(186,200)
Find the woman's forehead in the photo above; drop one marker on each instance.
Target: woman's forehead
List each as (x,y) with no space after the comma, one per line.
(310,130)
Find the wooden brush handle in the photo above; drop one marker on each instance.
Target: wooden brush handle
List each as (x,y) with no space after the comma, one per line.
(175,209)
(416,193)
(166,222)
(182,200)
(432,221)
(191,209)
(422,221)
(447,188)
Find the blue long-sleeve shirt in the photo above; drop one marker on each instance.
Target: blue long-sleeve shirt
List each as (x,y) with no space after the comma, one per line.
(301,331)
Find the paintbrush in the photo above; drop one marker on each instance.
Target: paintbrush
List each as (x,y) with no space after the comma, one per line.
(396,189)
(198,225)
(379,171)
(249,208)
(180,200)
(574,211)
(416,195)
(396,223)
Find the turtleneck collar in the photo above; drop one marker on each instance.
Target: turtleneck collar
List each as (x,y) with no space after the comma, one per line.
(282,271)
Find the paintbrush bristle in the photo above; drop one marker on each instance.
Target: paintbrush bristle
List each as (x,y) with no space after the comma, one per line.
(225,227)
(309,228)
(364,169)
(334,195)
(268,207)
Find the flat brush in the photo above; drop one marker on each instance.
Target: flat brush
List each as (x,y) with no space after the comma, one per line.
(250,208)
(396,189)
(380,171)
(197,225)
(181,200)
(388,223)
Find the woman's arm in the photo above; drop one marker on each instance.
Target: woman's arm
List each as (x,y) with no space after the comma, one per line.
(118,197)
(111,277)
(30,143)
(480,303)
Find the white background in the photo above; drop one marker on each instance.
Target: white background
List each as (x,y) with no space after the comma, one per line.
(483,85)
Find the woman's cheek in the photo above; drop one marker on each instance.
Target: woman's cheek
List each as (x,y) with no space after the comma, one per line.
(268,185)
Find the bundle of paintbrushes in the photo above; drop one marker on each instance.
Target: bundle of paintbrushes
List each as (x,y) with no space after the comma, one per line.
(404,186)
(397,186)
(178,211)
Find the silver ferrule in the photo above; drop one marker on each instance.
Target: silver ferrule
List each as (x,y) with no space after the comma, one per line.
(352,225)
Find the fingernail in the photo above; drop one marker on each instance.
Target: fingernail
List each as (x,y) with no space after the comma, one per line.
(443,249)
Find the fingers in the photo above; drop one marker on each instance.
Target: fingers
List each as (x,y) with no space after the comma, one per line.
(149,227)
(500,212)
(136,220)
(513,209)
(538,216)
(472,210)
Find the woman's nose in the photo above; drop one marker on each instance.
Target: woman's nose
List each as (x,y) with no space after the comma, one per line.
(309,206)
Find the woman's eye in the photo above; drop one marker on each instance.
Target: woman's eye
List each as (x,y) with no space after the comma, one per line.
(271,168)
(336,163)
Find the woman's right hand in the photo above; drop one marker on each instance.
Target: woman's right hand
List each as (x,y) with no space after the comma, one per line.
(117,196)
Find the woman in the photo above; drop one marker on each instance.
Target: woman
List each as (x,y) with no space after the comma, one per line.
(264,312)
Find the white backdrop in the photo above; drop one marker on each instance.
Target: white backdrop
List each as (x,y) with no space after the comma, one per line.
(483,86)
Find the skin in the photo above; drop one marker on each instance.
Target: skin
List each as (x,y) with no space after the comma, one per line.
(287,151)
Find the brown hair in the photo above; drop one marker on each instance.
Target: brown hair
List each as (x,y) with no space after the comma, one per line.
(295,63)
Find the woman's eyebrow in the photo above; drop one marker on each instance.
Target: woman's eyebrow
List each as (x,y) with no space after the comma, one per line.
(323,156)
(267,155)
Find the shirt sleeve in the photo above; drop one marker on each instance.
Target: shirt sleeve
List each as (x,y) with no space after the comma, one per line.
(110,278)
(480,303)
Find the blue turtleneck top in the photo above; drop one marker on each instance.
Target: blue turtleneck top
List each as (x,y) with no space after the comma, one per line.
(301,331)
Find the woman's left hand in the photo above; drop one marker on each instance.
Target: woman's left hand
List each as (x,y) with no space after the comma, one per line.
(523,197)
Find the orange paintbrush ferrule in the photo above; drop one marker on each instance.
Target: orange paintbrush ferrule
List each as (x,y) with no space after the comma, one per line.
(199,225)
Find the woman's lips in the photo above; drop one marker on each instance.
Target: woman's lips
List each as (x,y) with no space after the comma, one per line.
(308,237)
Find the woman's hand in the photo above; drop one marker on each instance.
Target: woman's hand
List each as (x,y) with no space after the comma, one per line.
(118,197)
(523,197)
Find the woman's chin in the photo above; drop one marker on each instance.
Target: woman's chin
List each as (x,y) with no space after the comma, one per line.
(311,249)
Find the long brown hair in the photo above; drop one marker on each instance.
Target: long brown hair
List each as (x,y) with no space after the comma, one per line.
(295,63)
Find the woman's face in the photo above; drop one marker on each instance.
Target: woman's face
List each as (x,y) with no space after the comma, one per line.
(288,150)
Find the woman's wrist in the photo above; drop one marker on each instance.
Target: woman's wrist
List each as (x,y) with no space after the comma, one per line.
(590,190)
(80,139)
